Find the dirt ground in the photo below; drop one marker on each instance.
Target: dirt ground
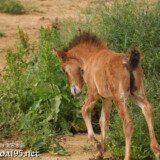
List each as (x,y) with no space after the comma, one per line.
(78,147)
(39,13)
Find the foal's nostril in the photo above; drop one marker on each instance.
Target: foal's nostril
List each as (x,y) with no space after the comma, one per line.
(74,90)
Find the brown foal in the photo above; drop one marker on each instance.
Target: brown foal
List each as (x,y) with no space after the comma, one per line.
(108,75)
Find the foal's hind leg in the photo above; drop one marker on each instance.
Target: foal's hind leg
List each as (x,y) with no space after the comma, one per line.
(121,105)
(90,101)
(104,120)
(147,109)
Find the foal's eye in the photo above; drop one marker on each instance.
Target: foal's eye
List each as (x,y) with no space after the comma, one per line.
(82,71)
(64,70)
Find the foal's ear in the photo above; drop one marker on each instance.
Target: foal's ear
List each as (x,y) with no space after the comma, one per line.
(60,53)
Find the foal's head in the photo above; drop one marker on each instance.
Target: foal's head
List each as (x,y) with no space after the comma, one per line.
(71,65)
(72,68)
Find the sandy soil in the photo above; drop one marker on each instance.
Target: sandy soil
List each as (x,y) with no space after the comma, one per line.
(39,12)
(78,147)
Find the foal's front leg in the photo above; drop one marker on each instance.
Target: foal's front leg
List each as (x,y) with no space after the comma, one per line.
(91,99)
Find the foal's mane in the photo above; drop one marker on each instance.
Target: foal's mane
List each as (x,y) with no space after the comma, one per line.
(85,37)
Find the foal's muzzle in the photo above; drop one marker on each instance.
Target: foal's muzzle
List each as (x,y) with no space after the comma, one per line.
(75,90)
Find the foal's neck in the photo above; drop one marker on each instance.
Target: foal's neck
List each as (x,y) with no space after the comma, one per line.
(83,53)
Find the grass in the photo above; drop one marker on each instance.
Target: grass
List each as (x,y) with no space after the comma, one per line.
(36,101)
(11,7)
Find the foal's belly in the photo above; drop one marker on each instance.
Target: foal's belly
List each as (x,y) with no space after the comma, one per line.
(102,85)
(104,92)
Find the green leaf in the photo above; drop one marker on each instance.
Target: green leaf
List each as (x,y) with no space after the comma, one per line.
(57,104)
(39,145)
(58,150)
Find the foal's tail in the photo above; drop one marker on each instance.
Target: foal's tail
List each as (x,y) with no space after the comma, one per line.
(132,60)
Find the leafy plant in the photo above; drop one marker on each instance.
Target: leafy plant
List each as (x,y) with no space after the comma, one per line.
(58,149)
(2,34)
(11,6)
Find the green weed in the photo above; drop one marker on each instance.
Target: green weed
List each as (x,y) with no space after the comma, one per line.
(2,34)
(11,6)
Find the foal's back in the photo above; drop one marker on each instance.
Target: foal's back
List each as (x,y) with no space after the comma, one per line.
(109,72)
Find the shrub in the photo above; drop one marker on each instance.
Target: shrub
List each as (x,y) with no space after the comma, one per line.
(36,96)
(11,6)
(2,34)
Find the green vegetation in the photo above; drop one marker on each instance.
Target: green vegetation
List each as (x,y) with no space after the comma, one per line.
(11,6)
(2,34)
(35,98)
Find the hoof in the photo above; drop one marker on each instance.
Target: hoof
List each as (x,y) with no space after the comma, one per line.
(98,146)
(96,143)
(104,149)
(99,156)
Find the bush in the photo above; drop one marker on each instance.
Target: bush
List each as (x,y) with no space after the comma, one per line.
(36,96)
(2,34)
(11,6)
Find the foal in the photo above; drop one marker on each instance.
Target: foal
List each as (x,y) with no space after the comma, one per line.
(108,75)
